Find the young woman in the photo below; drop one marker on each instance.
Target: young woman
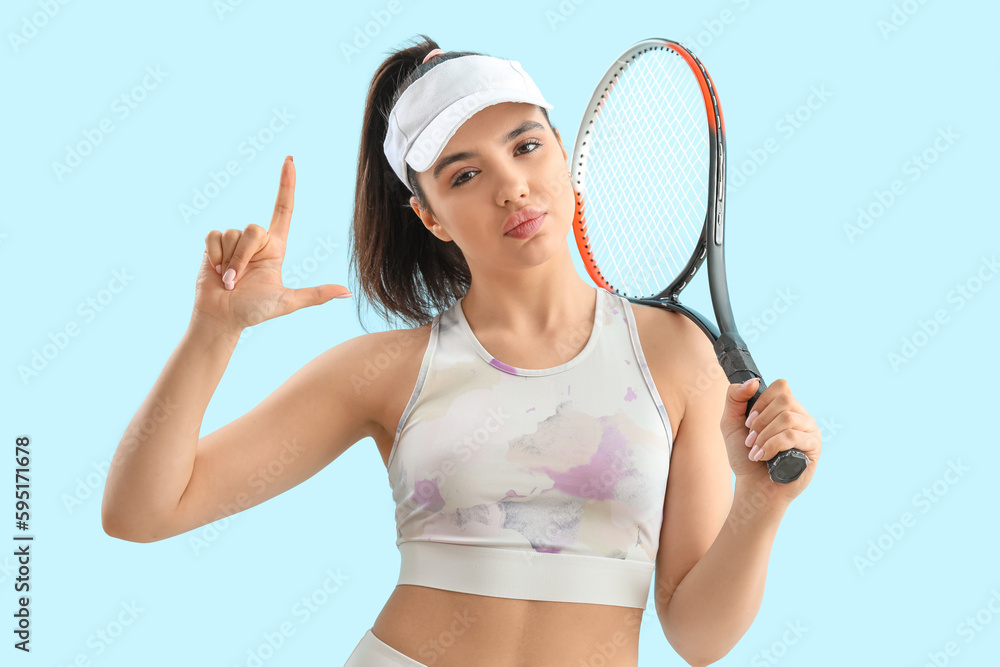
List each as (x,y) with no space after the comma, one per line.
(551,447)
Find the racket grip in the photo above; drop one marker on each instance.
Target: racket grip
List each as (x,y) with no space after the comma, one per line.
(783,467)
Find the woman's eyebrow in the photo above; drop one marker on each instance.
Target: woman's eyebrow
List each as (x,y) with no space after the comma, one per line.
(526,126)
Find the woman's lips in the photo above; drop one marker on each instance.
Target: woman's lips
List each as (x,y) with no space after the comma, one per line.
(527,228)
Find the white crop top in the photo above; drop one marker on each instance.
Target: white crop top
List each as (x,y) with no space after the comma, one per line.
(534,484)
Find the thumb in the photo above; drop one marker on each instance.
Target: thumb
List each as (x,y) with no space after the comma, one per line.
(315,296)
(734,416)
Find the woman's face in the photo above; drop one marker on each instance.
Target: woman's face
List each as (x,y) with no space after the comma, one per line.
(515,160)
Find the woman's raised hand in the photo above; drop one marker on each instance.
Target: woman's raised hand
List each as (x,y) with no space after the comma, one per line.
(249,290)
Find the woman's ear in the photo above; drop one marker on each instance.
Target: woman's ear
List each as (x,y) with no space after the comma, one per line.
(429,220)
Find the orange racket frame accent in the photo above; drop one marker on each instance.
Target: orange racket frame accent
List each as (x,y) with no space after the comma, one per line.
(712,111)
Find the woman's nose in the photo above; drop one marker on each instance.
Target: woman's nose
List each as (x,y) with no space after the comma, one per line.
(512,183)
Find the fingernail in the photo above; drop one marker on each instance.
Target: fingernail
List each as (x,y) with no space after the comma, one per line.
(229,278)
(344,295)
(218,268)
(759,455)
(750,418)
(751,438)
(746,383)
(753,453)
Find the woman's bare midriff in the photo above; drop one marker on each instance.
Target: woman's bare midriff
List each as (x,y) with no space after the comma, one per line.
(450,629)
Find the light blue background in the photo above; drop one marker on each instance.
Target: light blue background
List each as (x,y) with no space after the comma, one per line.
(889,432)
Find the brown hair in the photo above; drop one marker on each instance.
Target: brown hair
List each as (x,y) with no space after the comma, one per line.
(402,268)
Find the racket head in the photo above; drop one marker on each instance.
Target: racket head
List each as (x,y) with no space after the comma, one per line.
(677,153)
(646,172)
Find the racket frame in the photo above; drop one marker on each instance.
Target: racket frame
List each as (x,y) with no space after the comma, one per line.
(730,348)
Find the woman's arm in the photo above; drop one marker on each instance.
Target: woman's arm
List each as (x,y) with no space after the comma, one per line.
(161,482)
(155,457)
(168,481)
(715,542)
(716,602)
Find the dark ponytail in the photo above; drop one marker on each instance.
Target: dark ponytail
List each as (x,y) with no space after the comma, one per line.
(402,268)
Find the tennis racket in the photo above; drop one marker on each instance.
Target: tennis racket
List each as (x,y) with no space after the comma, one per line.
(649,172)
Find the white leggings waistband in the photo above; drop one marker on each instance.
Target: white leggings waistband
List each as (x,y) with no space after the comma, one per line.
(373,652)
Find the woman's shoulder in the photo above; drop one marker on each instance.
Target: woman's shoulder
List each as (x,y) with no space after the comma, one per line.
(668,326)
(679,354)
(385,369)
(395,347)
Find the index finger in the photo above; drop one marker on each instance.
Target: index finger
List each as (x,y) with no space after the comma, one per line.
(776,398)
(282,217)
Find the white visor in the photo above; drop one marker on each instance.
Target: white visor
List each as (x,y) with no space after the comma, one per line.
(431,110)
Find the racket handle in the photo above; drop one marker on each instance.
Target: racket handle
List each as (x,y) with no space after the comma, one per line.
(783,467)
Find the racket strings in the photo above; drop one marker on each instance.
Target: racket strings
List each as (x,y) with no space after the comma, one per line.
(646,174)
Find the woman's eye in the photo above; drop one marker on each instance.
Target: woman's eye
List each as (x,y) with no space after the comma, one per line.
(459,180)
